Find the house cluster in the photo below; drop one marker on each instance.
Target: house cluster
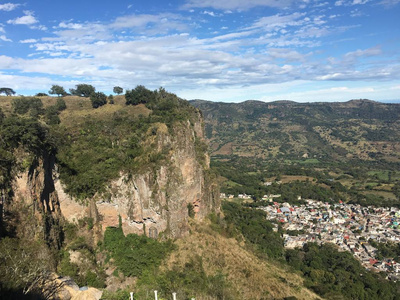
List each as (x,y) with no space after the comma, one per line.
(269,197)
(348,226)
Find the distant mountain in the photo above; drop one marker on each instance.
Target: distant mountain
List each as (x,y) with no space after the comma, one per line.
(341,131)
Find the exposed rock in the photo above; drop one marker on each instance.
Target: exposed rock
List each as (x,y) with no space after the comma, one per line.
(64,288)
(35,189)
(155,200)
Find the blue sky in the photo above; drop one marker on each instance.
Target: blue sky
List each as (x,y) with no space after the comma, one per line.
(220,50)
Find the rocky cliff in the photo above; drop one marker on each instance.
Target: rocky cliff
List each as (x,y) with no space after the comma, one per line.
(154,199)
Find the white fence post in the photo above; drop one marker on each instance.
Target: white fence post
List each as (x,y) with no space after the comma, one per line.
(131,295)
(155,295)
(174,296)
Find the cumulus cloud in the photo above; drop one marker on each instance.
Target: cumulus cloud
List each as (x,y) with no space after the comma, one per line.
(28,19)
(70,25)
(165,49)
(8,6)
(210,13)
(4,38)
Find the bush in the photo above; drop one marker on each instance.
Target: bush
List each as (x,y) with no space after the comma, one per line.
(60,104)
(98,99)
(24,105)
(133,254)
(189,281)
(255,228)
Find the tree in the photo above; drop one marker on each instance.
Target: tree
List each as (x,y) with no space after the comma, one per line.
(118,90)
(51,115)
(98,99)
(24,266)
(57,90)
(111,99)
(24,105)
(83,90)
(41,95)
(7,91)
(139,95)
(60,105)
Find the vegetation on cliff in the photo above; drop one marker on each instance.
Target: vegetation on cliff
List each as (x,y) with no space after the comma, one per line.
(91,145)
(234,255)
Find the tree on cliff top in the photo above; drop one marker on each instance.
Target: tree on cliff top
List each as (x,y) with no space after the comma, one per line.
(118,90)
(139,95)
(83,90)
(7,91)
(57,90)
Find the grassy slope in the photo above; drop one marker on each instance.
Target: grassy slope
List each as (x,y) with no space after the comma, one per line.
(252,277)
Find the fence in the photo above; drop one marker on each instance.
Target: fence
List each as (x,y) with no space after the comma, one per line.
(156,296)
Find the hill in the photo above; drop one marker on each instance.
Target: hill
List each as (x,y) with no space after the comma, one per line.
(354,142)
(66,165)
(121,198)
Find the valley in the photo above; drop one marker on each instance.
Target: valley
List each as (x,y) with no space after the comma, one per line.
(124,196)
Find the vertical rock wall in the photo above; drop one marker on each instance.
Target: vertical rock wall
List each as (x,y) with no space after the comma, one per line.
(155,199)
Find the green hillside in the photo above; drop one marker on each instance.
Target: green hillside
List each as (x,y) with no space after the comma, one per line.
(351,148)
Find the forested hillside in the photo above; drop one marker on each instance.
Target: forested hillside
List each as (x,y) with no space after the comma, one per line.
(350,149)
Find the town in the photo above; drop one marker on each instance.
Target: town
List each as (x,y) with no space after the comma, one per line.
(351,227)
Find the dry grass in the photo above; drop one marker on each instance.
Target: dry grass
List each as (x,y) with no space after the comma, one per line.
(224,150)
(252,277)
(5,103)
(292,178)
(80,109)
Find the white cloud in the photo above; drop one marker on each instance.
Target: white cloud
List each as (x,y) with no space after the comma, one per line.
(279,21)
(163,49)
(28,19)
(237,4)
(210,13)
(70,25)
(8,6)
(363,53)
(4,38)
(28,41)
(351,2)
(389,3)
(336,92)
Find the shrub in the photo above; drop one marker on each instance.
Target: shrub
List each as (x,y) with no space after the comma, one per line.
(98,99)
(133,254)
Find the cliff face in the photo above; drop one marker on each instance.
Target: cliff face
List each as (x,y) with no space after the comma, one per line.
(154,200)
(35,210)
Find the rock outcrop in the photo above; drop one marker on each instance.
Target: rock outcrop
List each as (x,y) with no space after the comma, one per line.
(154,200)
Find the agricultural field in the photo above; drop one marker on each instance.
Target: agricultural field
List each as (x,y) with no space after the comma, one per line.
(351,150)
